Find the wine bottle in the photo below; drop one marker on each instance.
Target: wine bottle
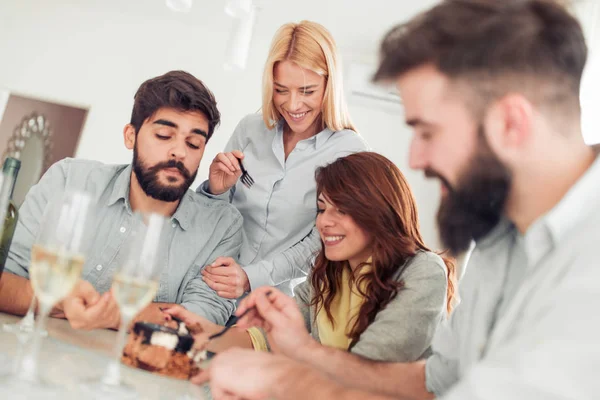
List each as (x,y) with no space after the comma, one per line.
(10,171)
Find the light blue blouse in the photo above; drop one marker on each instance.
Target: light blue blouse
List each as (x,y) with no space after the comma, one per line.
(279,210)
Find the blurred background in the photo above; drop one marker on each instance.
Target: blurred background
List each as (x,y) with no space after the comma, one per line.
(91,55)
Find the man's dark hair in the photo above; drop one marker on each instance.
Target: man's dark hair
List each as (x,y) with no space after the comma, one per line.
(496,46)
(178,90)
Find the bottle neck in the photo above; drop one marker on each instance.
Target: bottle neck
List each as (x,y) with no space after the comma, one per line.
(10,174)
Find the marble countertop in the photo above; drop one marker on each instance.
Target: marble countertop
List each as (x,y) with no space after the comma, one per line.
(69,357)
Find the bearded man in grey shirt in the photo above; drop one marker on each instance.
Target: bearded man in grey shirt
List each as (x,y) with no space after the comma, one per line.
(174,116)
(490,89)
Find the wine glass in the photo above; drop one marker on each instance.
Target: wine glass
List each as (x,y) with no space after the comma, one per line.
(57,259)
(135,284)
(27,323)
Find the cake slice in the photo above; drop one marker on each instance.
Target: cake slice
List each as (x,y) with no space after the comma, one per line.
(164,350)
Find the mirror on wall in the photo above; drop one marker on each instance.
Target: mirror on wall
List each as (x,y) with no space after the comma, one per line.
(39,132)
(30,142)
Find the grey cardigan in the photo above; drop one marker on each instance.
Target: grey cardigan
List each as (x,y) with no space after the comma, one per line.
(403,330)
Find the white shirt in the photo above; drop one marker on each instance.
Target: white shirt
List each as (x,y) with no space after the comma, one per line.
(528,326)
(279,210)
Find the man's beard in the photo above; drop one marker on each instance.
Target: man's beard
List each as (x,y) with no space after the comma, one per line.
(475,206)
(148,179)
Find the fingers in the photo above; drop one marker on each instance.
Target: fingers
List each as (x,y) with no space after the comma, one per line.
(224,262)
(218,166)
(229,288)
(219,271)
(238,154)
(220,284)
(250,300)
(103,314)
(86,292)
(252,320)
(254,317)
(178,312)
(229,161)
(188,317)
(271,309)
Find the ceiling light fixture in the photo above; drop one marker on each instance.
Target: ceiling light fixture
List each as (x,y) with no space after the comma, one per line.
(179,5)
(243,13)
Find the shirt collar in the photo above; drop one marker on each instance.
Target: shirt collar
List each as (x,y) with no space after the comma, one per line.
(575,207)
(551,229)
(185,211)
(120,190)
(317,140)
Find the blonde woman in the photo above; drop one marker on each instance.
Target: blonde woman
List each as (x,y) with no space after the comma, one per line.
(304,125)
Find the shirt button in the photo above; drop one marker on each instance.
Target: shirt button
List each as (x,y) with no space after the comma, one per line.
(122,230)
(173,224)
(98,267)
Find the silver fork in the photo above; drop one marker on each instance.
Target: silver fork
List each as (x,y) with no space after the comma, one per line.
(246,178)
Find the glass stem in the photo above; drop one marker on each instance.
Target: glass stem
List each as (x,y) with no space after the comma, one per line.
(29,319)
(28,367)
(113,371)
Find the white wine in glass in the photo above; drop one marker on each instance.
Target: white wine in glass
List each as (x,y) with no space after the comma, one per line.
(135,284)
(53,273)
(57,258)
(133,294)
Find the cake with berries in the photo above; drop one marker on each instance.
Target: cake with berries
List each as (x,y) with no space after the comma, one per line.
(164,350)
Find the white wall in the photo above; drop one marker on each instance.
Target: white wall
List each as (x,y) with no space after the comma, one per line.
(387,134)
(589,14)
(91,53)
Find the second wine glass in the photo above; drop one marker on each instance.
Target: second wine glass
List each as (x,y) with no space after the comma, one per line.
(134,286)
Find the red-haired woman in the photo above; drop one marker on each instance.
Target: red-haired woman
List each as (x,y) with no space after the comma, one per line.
(376,289)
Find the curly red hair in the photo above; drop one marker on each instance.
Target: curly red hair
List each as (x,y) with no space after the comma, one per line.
(372,190)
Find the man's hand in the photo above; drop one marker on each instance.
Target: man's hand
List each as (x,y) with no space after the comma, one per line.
(226,277)
(255,374)
(224,172)
(86,309)
(279,316)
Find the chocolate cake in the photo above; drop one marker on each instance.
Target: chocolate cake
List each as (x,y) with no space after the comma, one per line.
(163,350)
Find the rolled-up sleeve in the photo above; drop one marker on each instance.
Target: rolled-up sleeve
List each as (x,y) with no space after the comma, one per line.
(198,297)
(442,368)
(294,262)
(225,196)
(30,215)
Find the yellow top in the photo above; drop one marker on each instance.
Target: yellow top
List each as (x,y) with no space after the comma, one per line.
(344,309)
(259,341)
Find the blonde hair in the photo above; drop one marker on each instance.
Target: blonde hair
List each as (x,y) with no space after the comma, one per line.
(310,46)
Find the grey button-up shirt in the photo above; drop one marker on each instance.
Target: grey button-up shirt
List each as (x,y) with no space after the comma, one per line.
(280,238)
(199,231)
(528,326)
